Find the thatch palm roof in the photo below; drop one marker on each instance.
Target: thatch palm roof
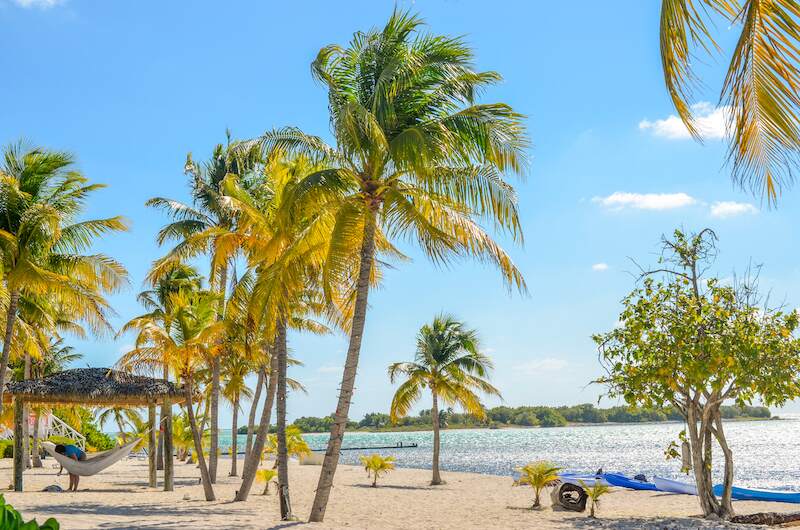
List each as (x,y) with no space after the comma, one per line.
(95,386)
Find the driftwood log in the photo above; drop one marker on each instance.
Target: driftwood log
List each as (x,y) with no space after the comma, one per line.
(767,518)
(570,497)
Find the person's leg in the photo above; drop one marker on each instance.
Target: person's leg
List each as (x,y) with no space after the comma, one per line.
(71,481)
(77,479)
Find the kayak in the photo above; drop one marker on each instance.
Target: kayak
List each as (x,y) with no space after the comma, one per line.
(747,494)
(617,479)
(587,479)
(673,486)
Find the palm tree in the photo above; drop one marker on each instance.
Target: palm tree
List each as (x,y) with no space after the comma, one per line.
(760,88)
(178,277)
(284,250)
(448,361)
(234,371)
(42,244)
(377,465)
(193,337)
(538,475)
(123,417)
(415,158)
(207,228)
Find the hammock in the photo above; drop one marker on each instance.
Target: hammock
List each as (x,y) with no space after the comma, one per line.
(94,463)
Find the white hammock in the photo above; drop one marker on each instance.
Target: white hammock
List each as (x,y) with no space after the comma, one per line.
(94,463)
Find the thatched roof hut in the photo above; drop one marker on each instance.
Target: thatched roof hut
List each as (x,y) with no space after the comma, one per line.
(95,386)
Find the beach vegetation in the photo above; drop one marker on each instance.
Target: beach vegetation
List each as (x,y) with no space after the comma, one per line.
(538,475)
(693,342)
(11,519)
(266,476)
(448,361)
(594,493)
(376,465)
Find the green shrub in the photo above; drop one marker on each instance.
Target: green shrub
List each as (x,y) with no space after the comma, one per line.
(63,440)
(10,519)
(6,449)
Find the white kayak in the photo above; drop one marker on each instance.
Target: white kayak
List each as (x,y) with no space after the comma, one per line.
(673,486)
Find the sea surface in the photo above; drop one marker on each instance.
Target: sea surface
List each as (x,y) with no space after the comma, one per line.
(766,453)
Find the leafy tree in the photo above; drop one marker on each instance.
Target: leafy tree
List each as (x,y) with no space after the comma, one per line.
(693,344)
(415,158)
(449,363)
(550,418)
(759,92)
(538,475)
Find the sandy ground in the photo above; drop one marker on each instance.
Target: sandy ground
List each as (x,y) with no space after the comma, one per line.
(119,498)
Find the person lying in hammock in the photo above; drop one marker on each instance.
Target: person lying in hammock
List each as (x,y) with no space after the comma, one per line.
(76,453)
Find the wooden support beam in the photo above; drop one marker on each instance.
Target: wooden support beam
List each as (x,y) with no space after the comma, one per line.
(167,435)
(19,462)
(151,444)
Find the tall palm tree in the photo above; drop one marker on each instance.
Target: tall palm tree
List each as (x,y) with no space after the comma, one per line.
(123,417)
(760,87)
(42,243)
(207,228)
(285,253)
(192,338)
(416,158)
(449,363)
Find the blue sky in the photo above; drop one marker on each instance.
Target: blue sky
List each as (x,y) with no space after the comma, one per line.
(132,87)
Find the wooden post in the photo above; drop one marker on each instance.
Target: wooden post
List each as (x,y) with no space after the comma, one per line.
(19,462)
(167,435)
(151,444)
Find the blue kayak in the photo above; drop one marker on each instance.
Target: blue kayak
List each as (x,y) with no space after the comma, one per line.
(581,479)
(620,480)
(747,494)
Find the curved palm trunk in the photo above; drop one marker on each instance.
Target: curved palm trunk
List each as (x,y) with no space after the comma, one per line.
(252,460)
(214,418)
(283,455)
(208,488)
(437,479)
(11,317)
(215,375)
(348,375)
(234,436)
(251,420)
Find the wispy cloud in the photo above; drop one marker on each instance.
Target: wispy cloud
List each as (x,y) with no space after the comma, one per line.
(38,4)
(329,369)
(645,201)
(600,267)
(537,366)
(725,209)
(709,120)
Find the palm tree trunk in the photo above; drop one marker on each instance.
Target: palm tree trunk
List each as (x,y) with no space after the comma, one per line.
(437,479)
(11,316)
(26,440)
(215,375)
(162,415)
(208,488)
(234,435)
(348,375)
(252,460)
(251,420)
(283,455)
(37,462)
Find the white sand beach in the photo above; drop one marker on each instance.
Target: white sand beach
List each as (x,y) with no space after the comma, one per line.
(120,499)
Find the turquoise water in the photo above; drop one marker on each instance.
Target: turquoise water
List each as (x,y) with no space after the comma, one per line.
(766,453)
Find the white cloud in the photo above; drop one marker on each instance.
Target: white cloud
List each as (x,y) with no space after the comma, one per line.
(709,120)
(725,209)
(40,4)
(125,348)
(645,201)
(600,267)
(537,366)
